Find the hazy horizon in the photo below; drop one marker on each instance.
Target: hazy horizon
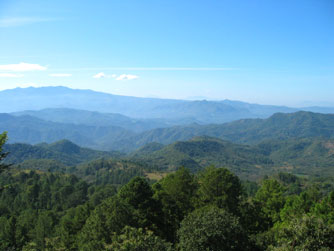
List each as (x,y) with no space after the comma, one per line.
(195,98)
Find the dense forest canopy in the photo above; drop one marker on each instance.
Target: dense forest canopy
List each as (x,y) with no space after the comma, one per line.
(110,205)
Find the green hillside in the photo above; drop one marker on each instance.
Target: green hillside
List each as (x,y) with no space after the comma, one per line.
(306,156)
(303,156)
(63,151)
(280,126)
(31,130)
(93,118)
(201,152)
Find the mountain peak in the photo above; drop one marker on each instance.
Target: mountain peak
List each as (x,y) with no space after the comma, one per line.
(65,146)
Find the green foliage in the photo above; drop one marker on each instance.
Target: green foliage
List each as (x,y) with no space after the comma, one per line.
(298,205)
(271,196)
(8,233)
(3,155)
(325,209)
(112,215)
(147,212)
(219,187)
(211,229)
(70,225)
(109,171)
(133,206)
(177,193)
(305,233)
(138,240)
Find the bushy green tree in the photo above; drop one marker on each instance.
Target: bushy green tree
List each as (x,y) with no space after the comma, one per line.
(211,228)
(146,210)
(325,209)
(220,187)
(298,205)
(304,233)
(271,197)
(176,192)
(70,225)
(8,233)
(138,240)
(110,217)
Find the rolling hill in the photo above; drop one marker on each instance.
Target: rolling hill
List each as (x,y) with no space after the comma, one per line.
(303,156)
(64,152)
(91,118)
(280,126)
(31,130)
(201,152)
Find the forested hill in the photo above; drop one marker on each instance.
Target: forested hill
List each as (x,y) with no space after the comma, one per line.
(92,118)
(63,151)
(28,129)
(303,156)
(280,126)
(201,152)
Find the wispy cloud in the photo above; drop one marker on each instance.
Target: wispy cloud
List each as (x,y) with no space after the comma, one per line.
(116,77)
(19,21)
(60,75)
(22,67)
(10,75)
(172,68)
(126,77)
(100,75)
(155,69)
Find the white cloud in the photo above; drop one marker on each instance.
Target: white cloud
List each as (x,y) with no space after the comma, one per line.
(100,75)
(22,67)
(126,77)
(120,77)
(60,75)
(10,75)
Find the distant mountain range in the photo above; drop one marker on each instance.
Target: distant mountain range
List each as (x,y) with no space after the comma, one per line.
(280,126)
(172,112)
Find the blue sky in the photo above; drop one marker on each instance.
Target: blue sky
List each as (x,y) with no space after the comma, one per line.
(268,52)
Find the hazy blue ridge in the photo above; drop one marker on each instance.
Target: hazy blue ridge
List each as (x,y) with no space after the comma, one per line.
(200,111)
